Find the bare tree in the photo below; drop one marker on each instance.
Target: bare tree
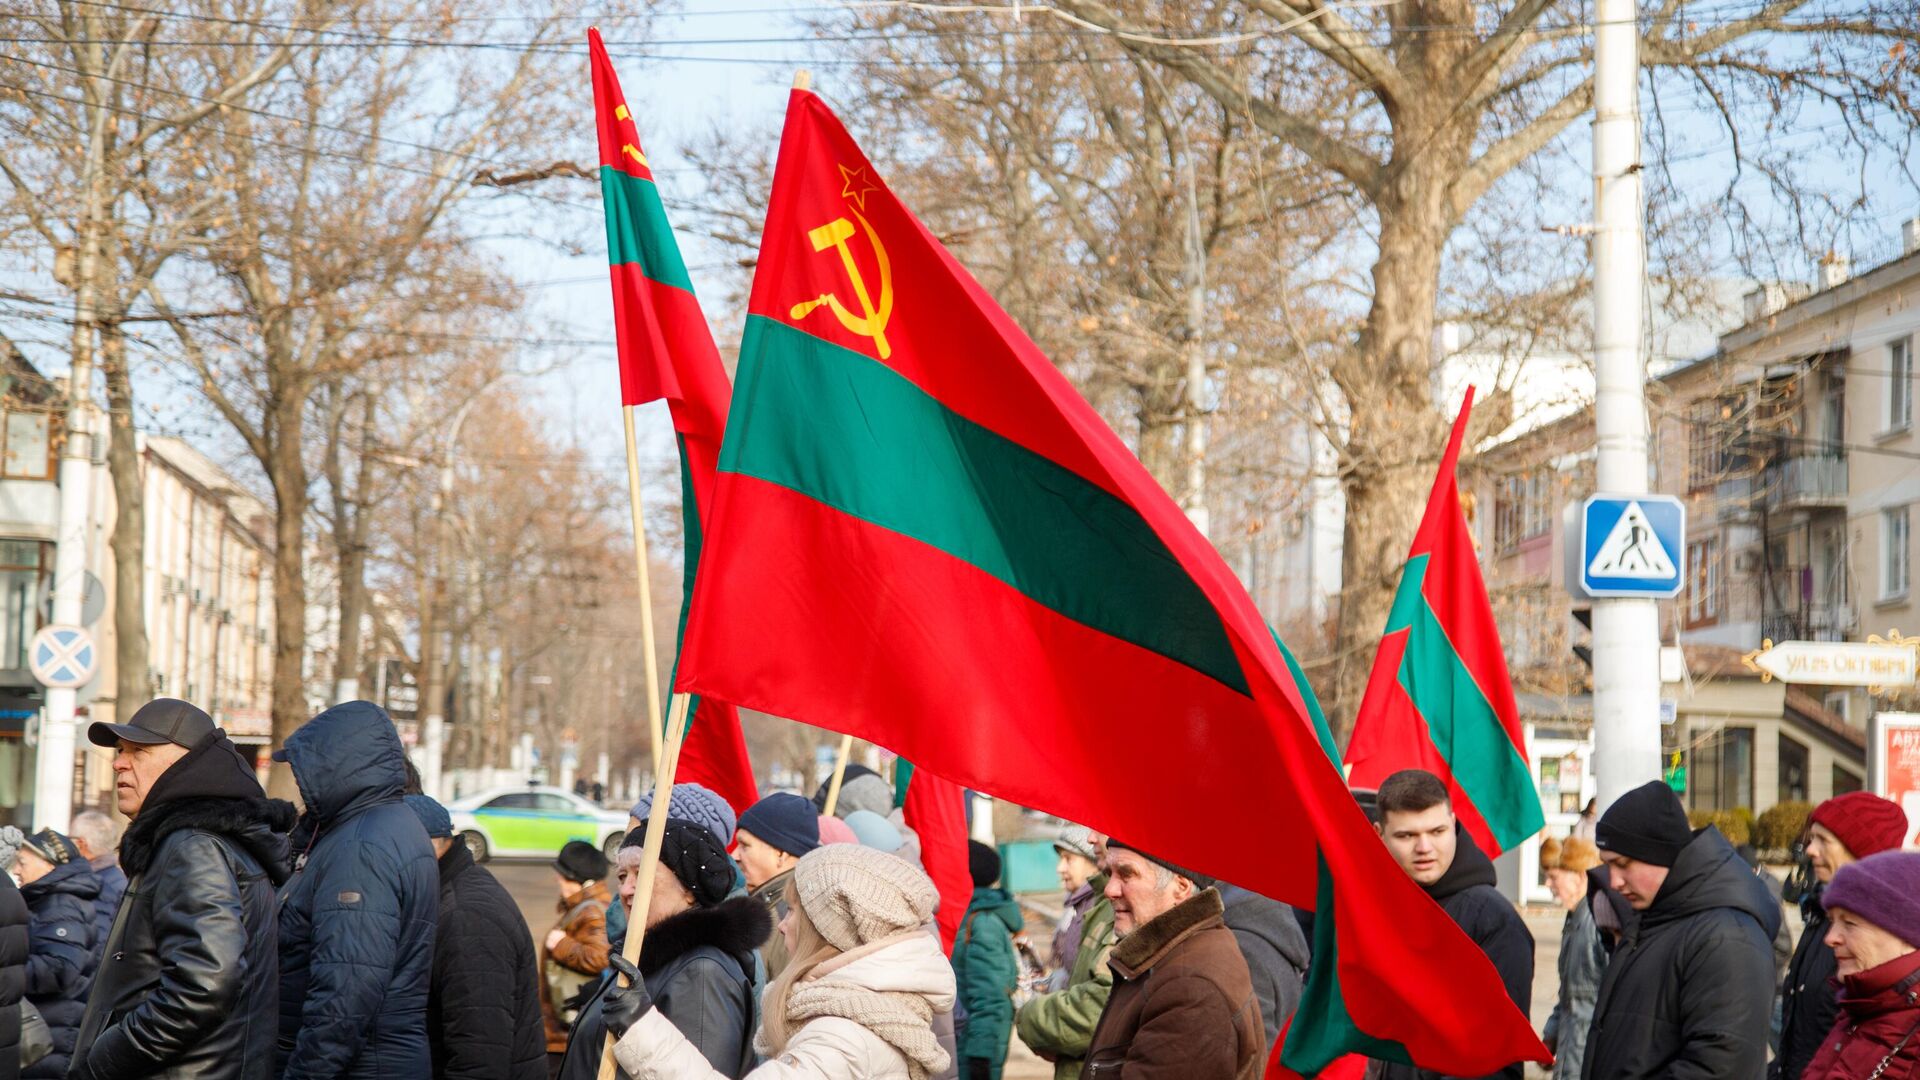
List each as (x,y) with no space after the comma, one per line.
(1418,111)
(340,235)
(93,106)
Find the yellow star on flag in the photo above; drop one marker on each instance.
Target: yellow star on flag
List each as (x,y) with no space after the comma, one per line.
(857,186)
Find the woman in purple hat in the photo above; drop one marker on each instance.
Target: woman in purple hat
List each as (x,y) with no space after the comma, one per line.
(1874,923)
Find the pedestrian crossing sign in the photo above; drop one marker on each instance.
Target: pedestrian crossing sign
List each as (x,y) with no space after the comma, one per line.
(1634,545)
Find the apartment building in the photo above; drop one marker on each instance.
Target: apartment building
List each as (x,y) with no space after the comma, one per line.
(1792,446)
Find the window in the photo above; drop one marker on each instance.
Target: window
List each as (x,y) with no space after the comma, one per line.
(1793,770)
(1899,414)
(1720,777)
(517,801)
(1844,781)
(1716,432)
(1703,582)
(1895,546)
(28,448)
(1520,508)
(26,576)
(554,804)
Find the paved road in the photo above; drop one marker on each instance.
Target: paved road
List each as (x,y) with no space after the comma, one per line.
(536,890)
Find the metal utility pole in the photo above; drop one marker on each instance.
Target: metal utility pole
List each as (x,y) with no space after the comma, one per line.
(1626,631)
(53,766)
(433,666)
(1195,503)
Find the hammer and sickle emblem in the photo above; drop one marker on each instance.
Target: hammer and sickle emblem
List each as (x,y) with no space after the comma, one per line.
(873,322)
(620,113)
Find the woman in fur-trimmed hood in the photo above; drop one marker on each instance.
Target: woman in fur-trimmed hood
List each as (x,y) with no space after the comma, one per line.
(856,1000)
(699,952)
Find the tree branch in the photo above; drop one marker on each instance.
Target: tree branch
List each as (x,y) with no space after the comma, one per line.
(1358,167)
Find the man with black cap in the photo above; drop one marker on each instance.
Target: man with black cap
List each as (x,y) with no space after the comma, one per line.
(188,983)
(1421,832)
(1182,1006)
(483,1011)
(1689,991)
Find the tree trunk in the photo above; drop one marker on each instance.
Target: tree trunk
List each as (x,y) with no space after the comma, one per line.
(350,540)
(287,472)
(133,685)
(1395,433)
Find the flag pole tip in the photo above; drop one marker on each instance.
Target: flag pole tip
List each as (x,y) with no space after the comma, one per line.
(803,79)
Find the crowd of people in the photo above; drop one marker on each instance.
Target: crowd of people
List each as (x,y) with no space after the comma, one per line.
(227,936)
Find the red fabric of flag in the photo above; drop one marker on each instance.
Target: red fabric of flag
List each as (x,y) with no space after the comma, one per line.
(975,572)
(1439,697)
(666,351)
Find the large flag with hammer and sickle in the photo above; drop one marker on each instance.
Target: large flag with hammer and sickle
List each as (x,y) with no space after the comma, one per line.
(923,536)
(666,351)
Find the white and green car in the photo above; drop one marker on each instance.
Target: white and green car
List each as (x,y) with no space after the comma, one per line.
(533,822)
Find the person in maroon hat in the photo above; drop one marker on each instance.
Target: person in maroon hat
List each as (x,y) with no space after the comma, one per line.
(1845,828)
(1873,925)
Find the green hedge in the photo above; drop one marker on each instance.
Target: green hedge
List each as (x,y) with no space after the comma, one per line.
(1735,824)
(1781,825)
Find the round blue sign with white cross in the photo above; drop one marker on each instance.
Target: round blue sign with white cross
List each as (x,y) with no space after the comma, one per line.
(63,657)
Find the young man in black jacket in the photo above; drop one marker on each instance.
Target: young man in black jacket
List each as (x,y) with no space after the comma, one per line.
(483,1010)
(188,978)
(1423,835)
(1690,988)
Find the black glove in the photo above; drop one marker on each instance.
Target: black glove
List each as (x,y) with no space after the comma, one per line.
(979,1069)
(623,1006)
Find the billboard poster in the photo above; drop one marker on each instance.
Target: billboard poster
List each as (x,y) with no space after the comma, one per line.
(1893,749)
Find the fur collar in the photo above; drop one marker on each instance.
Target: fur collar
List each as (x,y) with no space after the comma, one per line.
(736,927)
(257,825)
(1149,944)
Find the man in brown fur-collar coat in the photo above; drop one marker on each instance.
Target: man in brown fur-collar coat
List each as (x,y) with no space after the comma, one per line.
(1182,1004)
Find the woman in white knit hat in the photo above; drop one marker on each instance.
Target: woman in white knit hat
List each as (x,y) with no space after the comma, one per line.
(857,1000)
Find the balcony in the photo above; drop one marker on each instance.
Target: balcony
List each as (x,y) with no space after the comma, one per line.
(1806,482)
(1815,623)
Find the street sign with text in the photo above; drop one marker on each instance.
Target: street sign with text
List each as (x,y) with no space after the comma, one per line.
(1837,663)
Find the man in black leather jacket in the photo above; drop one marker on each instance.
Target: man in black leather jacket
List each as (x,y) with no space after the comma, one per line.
(188,986)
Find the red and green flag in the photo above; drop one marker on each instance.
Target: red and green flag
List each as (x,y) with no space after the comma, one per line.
(936,811)
(1439,697)
(975,572)
(666,351)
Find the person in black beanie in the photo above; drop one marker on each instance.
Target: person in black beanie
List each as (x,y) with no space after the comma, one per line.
(698,961)
(985,969)
(1690,988)
(772,836)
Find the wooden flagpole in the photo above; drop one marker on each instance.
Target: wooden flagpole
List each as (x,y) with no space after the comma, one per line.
(645,580)
(650,857)
(667,761)
(839,775)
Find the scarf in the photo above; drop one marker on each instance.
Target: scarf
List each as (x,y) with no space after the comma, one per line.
(902,1020)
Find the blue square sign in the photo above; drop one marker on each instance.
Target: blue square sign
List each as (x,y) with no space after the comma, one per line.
(1633,545)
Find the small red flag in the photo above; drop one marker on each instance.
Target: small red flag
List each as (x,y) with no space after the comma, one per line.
(666,351)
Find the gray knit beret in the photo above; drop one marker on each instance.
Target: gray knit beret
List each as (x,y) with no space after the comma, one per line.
(854,895)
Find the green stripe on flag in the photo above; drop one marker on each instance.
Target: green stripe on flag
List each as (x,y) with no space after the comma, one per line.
(689,563)
(1460,720)
(1321,729)
(1322,1029)
(637,229)
(854,434)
